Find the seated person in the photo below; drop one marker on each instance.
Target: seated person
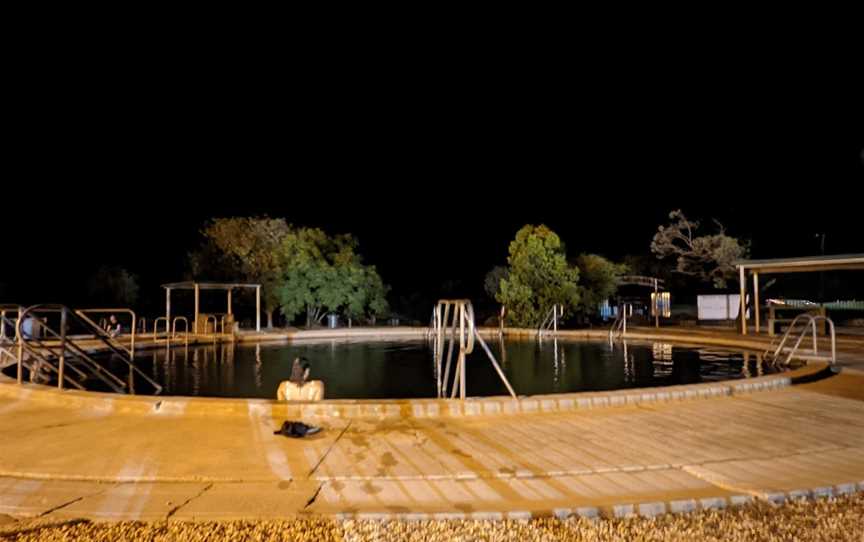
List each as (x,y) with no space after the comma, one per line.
(298,387)
(28,327)
(114,328)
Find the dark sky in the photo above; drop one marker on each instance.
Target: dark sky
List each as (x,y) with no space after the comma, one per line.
(434,168)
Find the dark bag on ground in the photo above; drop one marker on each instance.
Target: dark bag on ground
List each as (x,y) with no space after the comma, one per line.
(296,429)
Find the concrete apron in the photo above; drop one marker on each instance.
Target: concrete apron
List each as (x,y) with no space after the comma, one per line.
(651,451)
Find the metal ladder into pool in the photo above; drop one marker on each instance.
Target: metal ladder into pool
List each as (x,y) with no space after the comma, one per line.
(619,326)
(801,325)
(458,327)
(550,323)
(66,357)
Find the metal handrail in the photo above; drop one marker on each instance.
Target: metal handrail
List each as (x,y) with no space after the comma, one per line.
(36,357)
(6,352)
(131,350)
(809,325)
(142,324)
(215,326)
(773,346)
(39,360)
(167,329)
(463,317)
(7,342)
(67,344)
(185,331)
(620,323)
(551,320)
(8,321)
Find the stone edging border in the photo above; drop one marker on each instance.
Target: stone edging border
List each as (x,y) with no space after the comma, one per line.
(407,408)
(624,510)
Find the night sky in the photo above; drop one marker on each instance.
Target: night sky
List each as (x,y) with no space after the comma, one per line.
(433,174)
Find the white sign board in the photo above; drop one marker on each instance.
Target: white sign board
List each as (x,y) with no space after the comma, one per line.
(718,307)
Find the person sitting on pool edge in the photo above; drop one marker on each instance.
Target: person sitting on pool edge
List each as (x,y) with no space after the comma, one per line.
(298,387)
(114,327)
(300,371)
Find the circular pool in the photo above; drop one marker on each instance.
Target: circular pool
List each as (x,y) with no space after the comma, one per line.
(406,369)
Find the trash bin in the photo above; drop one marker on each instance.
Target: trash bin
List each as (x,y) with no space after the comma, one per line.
(332,320)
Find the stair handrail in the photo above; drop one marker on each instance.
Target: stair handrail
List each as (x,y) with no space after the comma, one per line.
(73,347)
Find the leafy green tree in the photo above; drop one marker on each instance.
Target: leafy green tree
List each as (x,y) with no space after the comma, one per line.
(711,257)
(249,246)
(539,276)
(365,294)
(113,286)
(598,278)
(325,274)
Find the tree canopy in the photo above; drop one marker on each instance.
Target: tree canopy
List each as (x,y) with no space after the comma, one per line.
(710,257)
(492,282)
(300,269)
(325,274)
(598,280)
(246,248)
(113,286)
(539,277)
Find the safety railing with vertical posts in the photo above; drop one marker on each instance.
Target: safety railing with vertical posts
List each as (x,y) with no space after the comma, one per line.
(458,325)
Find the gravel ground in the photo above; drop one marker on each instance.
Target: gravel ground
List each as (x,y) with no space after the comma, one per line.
(823,520)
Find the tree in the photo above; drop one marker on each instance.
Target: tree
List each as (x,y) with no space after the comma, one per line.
(326,274)
(539,277)
(208,262)
(113,286)
(250,246)
(598,280)
(711,258)
(492,282)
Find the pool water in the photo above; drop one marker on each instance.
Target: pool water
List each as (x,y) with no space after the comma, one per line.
(384,370)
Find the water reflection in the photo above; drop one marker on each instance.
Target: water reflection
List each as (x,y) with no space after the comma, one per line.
(402,369)
(559,359)
(259,380)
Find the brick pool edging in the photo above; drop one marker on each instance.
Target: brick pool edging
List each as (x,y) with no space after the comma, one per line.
(394,409)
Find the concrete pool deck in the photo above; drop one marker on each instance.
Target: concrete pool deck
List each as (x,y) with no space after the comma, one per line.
(73,454)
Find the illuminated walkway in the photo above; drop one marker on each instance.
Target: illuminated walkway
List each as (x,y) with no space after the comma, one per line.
(100,463)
